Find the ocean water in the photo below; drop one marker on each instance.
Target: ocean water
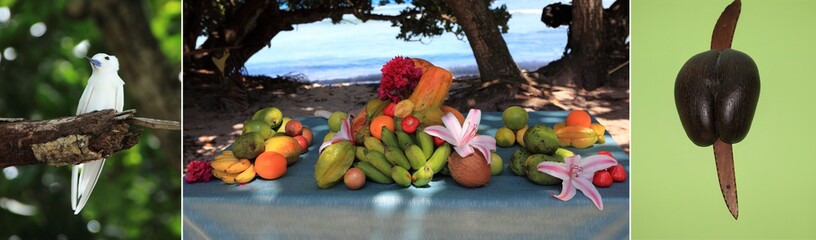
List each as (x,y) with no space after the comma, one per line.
(354,51)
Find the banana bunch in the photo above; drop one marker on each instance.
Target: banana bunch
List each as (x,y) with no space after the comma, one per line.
(391,160)
(231,170)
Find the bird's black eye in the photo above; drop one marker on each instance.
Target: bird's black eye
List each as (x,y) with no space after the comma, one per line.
(107,58)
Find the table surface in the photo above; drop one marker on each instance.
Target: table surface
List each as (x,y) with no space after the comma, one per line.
(508,207)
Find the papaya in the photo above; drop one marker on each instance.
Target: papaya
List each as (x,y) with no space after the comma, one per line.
(422,64)
(432,89)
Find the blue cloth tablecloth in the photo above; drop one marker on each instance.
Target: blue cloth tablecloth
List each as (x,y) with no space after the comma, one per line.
(508,207)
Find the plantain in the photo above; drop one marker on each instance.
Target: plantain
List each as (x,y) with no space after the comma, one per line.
(404,140)
(360,153)
(439,158)
(401,176)
(378,160)
(238,167)
(373,174)
(425,142)
(397,157)
(388,138)
(374,144)
(416,157)
(333,163)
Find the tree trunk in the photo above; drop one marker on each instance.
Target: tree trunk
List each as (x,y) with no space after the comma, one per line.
(68,140)
(585,37)
(492,56)
(150,82)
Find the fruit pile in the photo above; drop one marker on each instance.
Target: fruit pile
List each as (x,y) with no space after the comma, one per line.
(515,125)
(579,131)
(386,142)
(540,143)
(268,144)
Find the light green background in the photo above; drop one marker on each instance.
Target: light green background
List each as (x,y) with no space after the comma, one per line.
(675,193)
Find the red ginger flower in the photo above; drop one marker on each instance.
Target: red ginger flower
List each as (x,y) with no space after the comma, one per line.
(399,78)
(198,171)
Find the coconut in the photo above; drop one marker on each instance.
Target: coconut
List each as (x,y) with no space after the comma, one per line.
(470,171)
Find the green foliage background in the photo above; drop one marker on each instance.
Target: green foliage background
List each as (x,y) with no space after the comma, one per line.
(138,195)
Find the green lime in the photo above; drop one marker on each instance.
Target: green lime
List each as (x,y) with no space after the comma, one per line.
(496,164)
(515,117)
(505,137)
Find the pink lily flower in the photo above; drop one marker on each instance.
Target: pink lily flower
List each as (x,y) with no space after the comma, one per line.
(577,173)
(343,135)
(463,137)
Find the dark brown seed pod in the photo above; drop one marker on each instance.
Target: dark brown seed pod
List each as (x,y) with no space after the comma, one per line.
(716,94)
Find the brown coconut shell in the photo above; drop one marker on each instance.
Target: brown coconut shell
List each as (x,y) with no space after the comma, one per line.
(471,171)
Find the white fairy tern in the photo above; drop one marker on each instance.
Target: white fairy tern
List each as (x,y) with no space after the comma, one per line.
(105,90)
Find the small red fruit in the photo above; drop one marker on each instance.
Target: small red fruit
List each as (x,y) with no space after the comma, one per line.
(618,173)
(602,179)
(307,133)
(409,124)
(304,144)
(390,109)
(293,128)
(438,141)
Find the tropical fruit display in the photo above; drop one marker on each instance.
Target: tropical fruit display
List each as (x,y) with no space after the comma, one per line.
(579,131)
(268,144)
(388,140)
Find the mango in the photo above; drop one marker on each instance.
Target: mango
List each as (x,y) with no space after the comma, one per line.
(286,146)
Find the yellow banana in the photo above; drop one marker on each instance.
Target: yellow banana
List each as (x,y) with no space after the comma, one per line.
(247,175)
(239,166)
(222,164)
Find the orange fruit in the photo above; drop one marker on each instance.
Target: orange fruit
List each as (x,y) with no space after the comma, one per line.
(579,118)
(270,165)
(378,123)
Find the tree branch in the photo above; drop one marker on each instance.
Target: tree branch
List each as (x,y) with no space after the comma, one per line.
(73,140)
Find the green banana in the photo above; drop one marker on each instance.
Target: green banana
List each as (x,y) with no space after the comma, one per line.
(373,174)
(388,138)
(425,142)
(397,157)
(416,157)
(360,153)
(404,140)
(374,144)
(439,158)
(401,176)
(333,163)
(378,160)
(423,176)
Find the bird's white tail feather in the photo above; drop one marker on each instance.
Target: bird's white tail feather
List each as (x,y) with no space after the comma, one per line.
(88,177)
(74,180)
